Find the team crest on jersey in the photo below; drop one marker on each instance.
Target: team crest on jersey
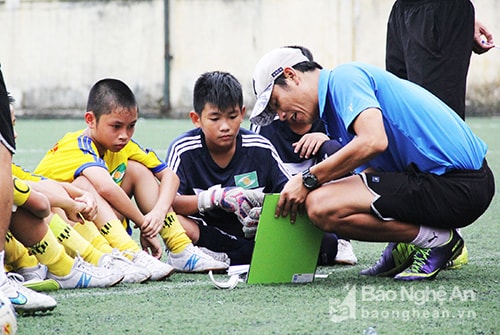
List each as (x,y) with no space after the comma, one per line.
(247,180)
(118,173)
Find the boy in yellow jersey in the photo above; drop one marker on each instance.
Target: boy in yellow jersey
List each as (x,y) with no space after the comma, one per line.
(70,207)
(29,224)
(67,204)
(104,157)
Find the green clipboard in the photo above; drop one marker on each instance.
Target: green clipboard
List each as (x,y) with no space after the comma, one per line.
(283,252)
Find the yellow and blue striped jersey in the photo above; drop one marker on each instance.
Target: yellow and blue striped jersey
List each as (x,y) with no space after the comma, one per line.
(75,152)
(23,174)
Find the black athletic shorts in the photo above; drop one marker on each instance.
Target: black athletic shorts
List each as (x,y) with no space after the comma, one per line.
(453,200)
(6,130)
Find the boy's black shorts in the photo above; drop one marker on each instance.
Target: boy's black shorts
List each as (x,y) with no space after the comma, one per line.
(453,200)
(6,130)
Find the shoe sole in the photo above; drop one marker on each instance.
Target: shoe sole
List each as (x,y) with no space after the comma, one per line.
(164,277)
(344,262)
(32,312)
(216,270)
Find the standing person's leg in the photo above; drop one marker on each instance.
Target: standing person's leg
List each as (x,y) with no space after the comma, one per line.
(7,148)
(430,44)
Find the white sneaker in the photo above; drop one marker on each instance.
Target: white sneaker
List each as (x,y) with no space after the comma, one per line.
(192,259)
(86,275)
(132,273)
(158,269)
(37,272)
(218,256)
(24,300)
(345,253)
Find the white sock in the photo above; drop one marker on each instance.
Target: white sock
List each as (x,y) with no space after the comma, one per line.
(3,276)
(430,237)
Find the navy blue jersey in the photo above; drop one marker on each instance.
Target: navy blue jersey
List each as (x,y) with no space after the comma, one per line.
(282,137)
(255,165)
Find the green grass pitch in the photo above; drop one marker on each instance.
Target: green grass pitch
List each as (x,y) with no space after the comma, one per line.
(465,301)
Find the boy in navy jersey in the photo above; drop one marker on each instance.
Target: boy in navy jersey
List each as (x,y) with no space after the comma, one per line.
(223,169)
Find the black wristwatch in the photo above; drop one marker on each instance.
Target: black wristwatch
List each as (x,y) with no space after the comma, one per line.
(309,180)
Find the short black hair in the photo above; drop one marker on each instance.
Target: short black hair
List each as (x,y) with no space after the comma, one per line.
(305,66)
(218,88)
(108,94)
(305,51)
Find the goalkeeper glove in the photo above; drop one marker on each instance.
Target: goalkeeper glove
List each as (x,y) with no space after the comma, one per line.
(251,221)
(231,199)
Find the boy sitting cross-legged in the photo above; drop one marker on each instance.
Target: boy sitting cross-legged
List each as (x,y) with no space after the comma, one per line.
(224,170)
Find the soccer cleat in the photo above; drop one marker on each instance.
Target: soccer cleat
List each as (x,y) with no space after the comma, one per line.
(158,269)
(459,261)
(37,272)
(192,259)
(427,262)
(85,275)
(218,256)
(45,285)
(395,258)
(24,300)
(345,253)
(132,273)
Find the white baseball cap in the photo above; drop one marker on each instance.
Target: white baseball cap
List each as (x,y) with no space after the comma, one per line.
(270,67)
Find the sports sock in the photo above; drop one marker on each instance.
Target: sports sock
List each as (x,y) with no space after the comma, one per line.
(430,237)
(51,253)
(114,232)
(89,231)
(73,242)
(173,234)
(16,254)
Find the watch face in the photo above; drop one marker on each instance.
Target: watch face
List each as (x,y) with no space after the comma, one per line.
(310,181)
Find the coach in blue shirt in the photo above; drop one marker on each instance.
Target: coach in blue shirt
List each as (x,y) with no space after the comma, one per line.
(421,172)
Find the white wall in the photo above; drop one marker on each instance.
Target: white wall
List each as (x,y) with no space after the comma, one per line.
(52,52)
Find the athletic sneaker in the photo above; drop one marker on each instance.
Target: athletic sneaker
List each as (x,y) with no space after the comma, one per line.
(395,258)
(86,275)
(45,285)
(459,261)
(158,269)
(24,300)
(345,253)
(132,273)
(218,256)
(192,259)
(37,272)
(427,262)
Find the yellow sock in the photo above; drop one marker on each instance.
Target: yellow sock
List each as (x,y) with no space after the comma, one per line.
(117,236)
(51,253)
(16,254)
(173,234)
(73,242)
(89,231)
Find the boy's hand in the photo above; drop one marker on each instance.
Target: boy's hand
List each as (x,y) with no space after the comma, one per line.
(89,212)
(231,199)
(251,221)
(151,246)
(152,224)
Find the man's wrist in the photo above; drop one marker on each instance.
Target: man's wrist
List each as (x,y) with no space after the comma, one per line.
(309,180)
